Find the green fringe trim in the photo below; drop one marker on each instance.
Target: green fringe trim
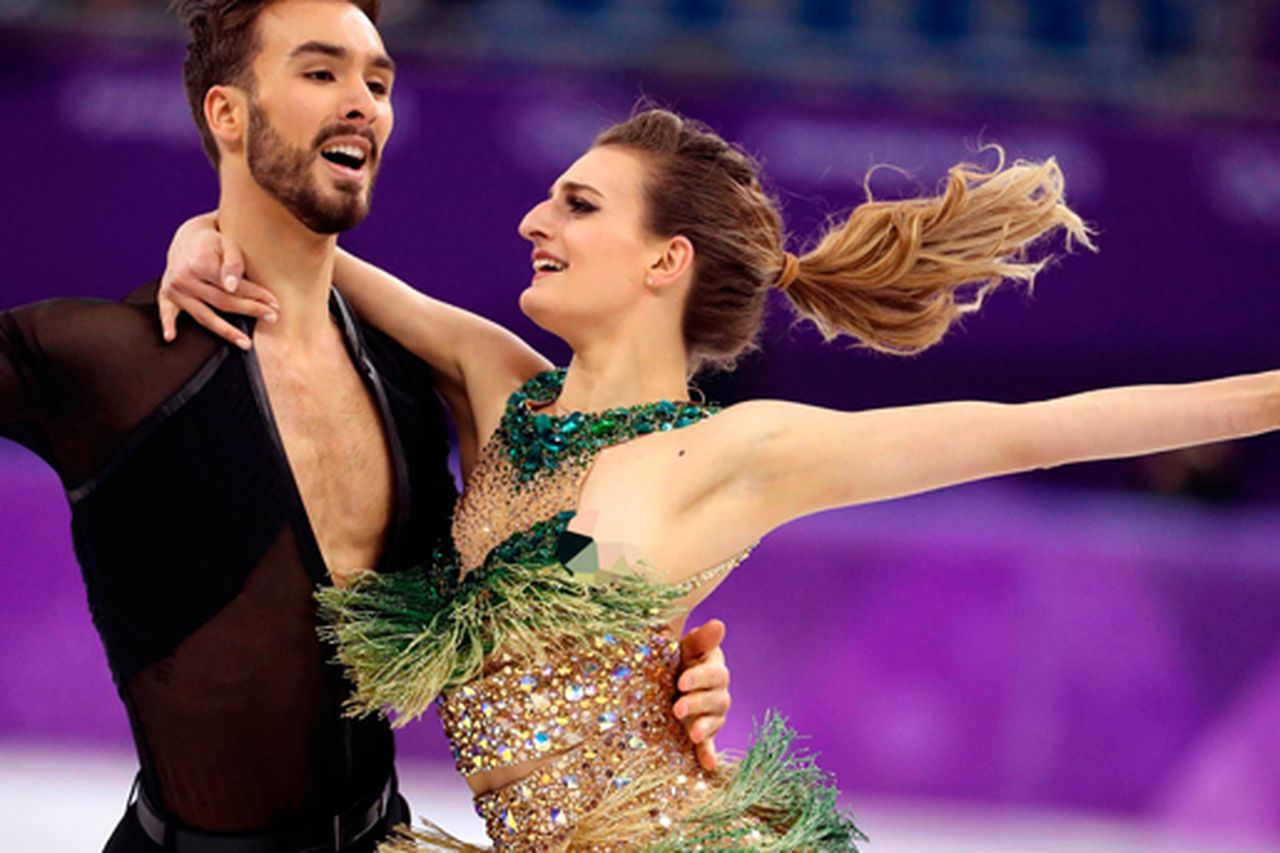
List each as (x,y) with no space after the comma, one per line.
(785,791)
(431,838)
(772,800)
(404,637)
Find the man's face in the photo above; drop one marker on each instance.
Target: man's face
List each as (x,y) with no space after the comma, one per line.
(320,111)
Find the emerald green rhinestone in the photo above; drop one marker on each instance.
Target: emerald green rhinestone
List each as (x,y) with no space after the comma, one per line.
(540,441)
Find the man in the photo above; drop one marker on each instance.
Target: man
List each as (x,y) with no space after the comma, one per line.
(212,486)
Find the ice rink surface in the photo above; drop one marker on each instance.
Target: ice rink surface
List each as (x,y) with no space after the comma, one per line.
(60,801)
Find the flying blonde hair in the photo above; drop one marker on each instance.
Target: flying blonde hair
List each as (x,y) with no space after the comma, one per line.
(895,275)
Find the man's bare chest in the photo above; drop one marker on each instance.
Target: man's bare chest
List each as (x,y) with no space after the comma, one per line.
(337,448)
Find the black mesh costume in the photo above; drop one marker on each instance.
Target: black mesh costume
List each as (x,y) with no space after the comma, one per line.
(197,555)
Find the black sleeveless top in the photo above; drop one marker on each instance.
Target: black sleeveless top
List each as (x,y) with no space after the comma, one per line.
(197,555)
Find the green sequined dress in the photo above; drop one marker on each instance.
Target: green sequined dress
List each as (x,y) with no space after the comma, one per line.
(534,651)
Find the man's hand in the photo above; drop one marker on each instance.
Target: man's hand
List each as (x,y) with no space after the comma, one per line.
(206,271)
(704,685)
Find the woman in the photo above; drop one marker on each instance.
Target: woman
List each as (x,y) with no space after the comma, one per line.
(652,259)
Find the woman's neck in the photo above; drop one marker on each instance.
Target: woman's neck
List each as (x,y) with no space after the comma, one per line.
(627,375)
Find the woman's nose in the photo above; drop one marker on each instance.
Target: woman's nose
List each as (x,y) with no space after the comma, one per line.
(536,223)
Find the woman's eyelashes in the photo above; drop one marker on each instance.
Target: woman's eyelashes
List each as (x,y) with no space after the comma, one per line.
(579,205)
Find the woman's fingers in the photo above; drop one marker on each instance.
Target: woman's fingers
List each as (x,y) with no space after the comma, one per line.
(207,317)
(204,261)
(226,302)
(169,312)
(197,297)
(232,272)
(248,290)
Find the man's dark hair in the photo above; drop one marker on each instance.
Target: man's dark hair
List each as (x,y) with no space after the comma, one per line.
(224,42)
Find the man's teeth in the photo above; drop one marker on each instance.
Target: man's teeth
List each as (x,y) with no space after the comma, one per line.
(346,155)
(548,265)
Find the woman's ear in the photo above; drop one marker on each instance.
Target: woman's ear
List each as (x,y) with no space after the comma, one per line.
(673,264)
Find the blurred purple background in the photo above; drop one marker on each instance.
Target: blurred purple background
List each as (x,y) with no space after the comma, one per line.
(1102,639)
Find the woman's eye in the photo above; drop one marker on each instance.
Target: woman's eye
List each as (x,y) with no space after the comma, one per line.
(326,76)
(378,87)
(577,205)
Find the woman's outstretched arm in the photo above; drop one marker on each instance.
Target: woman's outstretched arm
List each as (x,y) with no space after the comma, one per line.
(791,460)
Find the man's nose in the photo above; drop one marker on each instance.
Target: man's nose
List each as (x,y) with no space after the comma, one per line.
(358,103)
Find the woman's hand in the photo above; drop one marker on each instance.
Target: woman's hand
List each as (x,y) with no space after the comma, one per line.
(206,271)
(704,688)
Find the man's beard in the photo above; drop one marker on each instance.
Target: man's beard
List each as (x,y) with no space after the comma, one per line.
(285,173)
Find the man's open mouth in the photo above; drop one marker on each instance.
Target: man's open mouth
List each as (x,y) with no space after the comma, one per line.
(347,156)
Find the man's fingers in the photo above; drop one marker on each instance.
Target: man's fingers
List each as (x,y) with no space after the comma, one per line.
(232,265)
(706,752)
(711,674)
(703,703)
(703,728)
(709,726)
(701,641)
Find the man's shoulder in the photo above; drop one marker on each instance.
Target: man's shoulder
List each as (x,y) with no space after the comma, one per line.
(61,308)
(88,328)
(49,322)
(74,318)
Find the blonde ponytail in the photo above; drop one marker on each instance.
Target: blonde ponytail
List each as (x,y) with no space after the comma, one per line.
(897,274)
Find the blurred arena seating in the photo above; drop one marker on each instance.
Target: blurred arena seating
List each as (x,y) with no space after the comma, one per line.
(1191,56)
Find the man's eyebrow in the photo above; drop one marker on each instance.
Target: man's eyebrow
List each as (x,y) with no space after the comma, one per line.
(574,186)
(320,47)
(337,51)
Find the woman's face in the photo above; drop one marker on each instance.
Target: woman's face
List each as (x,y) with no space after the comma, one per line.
(592,251)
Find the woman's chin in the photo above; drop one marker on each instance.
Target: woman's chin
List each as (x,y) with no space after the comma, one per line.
(535,305)
(528,303)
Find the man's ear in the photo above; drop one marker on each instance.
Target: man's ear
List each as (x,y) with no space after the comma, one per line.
(226,110)
(674,263)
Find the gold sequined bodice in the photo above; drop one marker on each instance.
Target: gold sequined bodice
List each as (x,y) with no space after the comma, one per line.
(604,714)
(496,505)
(600,713)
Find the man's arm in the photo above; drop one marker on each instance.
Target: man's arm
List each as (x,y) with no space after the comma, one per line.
(23,375)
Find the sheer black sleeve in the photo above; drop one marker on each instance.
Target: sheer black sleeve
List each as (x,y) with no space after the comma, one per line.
(24,380)
(78,375)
